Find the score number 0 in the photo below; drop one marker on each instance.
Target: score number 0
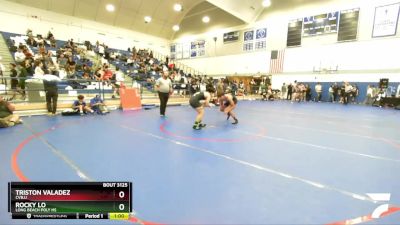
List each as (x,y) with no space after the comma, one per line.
(121,195)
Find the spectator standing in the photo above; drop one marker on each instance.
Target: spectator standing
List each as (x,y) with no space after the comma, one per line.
(263,90)
(23,74)
(348,90)
(284,91)
(234,87)
(101,50)
(336,90)
(220,88)
(354,94)
(241,90)
(164,88)
(253,86)
(290,92)
(2,70)
(318,89)
(331,94)
(14,79)
(306,92)
(369,97)
(341,93)
(117,81)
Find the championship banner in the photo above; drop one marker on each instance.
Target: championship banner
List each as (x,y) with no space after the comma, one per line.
(385,21)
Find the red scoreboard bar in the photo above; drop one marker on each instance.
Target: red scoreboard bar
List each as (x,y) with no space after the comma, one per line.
(70,200)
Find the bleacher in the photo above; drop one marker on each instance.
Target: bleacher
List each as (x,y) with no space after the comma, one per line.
(131,70)
(69,88)
(66,85)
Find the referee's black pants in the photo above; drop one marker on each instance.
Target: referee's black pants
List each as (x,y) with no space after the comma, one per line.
(163,102)
(51,100)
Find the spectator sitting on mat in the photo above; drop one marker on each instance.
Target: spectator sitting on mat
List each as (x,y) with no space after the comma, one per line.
(80,105)
(98,106)
(7,118)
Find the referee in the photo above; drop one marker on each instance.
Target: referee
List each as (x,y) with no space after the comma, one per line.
(164,89)
(50,86)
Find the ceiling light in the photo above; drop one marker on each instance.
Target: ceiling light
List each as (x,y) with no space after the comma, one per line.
(206,19)
(110,7)
(147,19)
(175,27)
(178,7)
(266,3)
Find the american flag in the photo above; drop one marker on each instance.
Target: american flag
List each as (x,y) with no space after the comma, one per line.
(276,63)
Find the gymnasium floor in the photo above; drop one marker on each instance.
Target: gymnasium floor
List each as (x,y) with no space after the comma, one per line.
(301,163)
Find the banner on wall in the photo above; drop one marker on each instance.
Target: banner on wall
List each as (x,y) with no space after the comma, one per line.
(188,50)
(248,35)
(385,21)
(248,40)
(261,39)
(197,48)
(231,36)
(261,33)
(255,39)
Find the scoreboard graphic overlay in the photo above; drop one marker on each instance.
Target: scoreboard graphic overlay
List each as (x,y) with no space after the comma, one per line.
(70,200)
